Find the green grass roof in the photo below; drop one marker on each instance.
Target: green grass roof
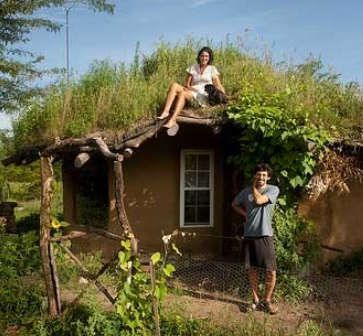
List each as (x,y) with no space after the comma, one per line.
(118,96)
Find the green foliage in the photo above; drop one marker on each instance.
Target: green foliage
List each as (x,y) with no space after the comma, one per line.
(18,67)
(20,302)
(297,243)
(81,320)
(117,96)
(19,255)
(344,265)
(136,292)
(20,299)
(273,133)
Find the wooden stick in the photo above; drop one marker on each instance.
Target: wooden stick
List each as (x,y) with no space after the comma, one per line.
(86,230)
(71,235)
(55,279)
(88,275)
(48,263)
(155,300)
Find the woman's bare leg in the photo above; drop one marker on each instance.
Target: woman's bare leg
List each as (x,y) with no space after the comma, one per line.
(174,90)
(181,99)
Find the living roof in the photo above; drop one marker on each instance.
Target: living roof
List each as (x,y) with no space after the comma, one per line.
(112,142)
(118,99)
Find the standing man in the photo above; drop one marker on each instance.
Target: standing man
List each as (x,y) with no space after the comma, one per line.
(256,203)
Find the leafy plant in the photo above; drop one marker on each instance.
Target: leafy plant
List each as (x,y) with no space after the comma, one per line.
(136,292)
(19,255)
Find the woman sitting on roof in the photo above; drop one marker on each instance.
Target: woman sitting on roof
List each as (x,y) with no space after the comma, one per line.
(199,75)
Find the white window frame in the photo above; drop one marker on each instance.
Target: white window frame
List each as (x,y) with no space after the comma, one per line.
(183,153)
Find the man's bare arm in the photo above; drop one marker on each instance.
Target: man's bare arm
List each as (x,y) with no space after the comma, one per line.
(258,197)
(239,209)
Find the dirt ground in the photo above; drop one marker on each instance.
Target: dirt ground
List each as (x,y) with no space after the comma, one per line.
(345,315)
(341,307)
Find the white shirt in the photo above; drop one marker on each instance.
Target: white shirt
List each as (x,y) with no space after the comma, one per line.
(199,80)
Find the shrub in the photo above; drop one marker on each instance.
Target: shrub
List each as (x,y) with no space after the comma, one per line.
(81,320)
(19,255)
(20,302)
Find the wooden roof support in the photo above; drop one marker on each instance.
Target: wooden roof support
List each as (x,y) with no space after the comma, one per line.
(46,252)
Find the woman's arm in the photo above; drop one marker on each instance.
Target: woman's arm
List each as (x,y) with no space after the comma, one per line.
(217,83)
(188,83)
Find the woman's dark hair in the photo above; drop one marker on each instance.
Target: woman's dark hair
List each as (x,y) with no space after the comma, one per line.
(264,167)
(209,51)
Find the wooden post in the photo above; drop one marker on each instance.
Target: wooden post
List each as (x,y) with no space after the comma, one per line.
(46,252)
(120,206)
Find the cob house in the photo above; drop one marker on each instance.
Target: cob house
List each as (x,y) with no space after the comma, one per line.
(179,182)
(147,182)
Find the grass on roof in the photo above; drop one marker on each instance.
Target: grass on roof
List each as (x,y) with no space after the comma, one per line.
(117,96)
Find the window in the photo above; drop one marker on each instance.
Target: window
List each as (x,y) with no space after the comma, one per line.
(196,188)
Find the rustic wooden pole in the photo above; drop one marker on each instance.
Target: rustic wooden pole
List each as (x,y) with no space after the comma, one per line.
(155,301)
(48,262)
(121,211)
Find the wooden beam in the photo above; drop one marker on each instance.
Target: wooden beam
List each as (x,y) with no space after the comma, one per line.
(197,121)
(137,141)
(47,257)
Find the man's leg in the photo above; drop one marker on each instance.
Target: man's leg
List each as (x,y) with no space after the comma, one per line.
(270,283)
(253,278)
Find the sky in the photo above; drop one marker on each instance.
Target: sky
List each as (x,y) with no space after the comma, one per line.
(291,29)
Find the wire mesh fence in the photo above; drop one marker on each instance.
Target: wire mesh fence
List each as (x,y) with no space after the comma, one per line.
(226,279)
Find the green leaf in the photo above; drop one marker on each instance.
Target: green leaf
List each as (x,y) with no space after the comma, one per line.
(155,258)
(126,244)
(160,291)
(168,270)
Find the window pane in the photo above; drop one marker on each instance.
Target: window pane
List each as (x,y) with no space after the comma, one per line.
(190,215)
(203,162)
(203,215)
(190,162)
(203,197)
(190,197)
(203,179)
(190,179)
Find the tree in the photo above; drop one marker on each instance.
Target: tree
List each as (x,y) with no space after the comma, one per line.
(18,67)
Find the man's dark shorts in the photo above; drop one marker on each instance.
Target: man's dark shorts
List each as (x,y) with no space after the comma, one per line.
(260,252)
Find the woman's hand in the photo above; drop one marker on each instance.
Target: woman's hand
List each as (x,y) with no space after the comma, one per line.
(217,83)
(188,83)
